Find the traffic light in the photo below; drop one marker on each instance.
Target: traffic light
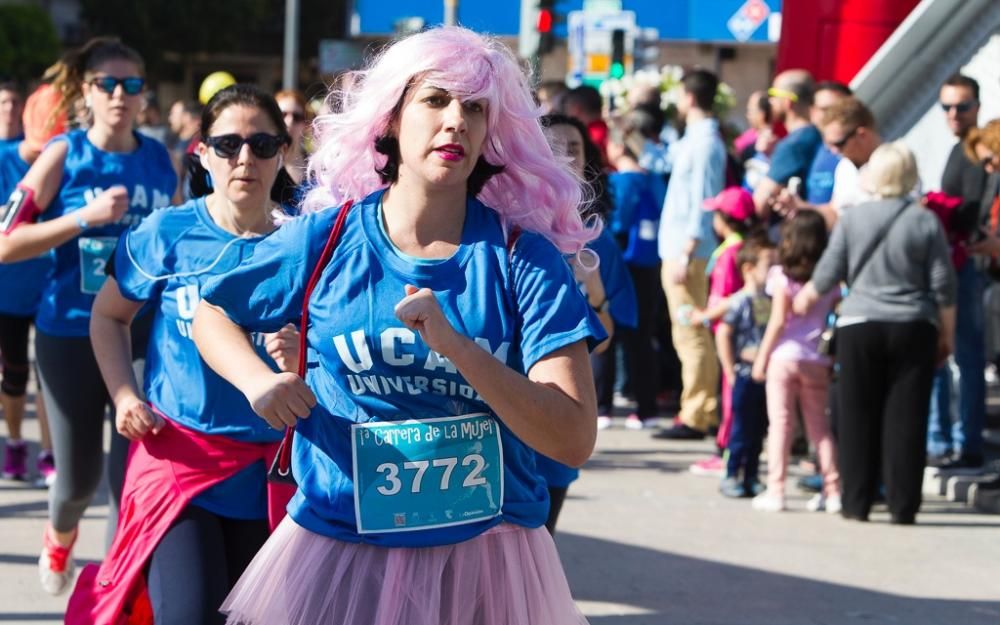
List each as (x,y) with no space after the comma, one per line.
(545,26)
(617,68)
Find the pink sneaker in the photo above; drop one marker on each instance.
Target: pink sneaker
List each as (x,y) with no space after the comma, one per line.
(15,463)
(46,469)
(711,467)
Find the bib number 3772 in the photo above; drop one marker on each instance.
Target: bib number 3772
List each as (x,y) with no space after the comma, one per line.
(424,474)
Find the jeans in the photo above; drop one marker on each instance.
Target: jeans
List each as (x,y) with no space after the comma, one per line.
(966,434)
(749,423)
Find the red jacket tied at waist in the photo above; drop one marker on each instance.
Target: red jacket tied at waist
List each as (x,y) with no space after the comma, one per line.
(165,472)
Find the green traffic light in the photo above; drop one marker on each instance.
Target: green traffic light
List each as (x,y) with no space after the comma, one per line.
(617,70)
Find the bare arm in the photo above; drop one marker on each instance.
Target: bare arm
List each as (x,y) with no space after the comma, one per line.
(553,409)
(31,239)
(780,305)
(111,318)
(763,196)
(724,345)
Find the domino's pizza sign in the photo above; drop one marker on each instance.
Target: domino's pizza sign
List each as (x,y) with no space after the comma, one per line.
(748,19)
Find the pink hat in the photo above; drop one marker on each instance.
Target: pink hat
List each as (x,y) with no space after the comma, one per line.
(735,202)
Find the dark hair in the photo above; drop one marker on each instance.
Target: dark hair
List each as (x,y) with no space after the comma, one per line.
(250,96)
(751,249)
(585,97)
(763,105)
(803,239)
(833,85)
(67,74)
(13,87)
(593,169)
(961,80)
(194,108)
(702,84)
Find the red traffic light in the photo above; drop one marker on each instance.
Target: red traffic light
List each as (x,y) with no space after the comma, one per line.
(545,20)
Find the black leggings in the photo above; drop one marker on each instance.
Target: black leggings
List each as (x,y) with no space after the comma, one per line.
(557,495)
(77,403)
(197,563)
(14,332)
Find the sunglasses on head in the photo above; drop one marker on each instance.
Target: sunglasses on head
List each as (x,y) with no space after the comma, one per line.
(840,144)
(131,85)
(961,107)
(261,144)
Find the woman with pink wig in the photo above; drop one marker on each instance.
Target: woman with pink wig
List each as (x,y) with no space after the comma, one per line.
(445,340)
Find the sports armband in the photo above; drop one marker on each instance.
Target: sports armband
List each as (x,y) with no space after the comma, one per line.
(20,208)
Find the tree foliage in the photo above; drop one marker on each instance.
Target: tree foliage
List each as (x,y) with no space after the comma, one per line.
(210,26)
(28,42)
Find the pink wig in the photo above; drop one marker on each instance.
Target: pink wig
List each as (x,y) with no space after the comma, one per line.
(535,191)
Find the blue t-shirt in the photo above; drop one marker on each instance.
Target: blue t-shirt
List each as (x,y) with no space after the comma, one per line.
(819,185)
(748,314)
(624,311)
(365,366)
(166,260)
(638,201)
(793,156)
(21,282)
(149,177)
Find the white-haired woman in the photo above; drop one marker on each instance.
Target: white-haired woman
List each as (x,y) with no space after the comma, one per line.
(896,324)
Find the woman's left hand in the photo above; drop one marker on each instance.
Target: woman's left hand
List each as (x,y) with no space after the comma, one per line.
(420,311)
(283,347)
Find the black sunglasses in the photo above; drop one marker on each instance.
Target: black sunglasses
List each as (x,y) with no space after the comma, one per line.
(297,117)
(961,107)
(261,144)
(132,85)
(840,144)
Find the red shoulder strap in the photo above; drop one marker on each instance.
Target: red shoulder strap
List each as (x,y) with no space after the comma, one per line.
(285,453)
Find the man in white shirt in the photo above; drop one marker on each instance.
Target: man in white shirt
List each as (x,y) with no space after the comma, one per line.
(849,130)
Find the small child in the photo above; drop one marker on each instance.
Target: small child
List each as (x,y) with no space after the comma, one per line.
(795,371)
(733,222)
(737,339)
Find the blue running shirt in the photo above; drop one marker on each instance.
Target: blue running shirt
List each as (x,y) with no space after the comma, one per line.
(21,282)
(149,177)
(165,260)
(366,366)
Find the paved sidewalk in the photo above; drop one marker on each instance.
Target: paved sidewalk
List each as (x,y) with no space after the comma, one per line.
(646,543)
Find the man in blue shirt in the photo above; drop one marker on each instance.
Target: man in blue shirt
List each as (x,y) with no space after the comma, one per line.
(686,241)
(791,99)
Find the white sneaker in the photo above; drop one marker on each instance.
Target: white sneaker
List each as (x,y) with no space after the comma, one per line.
(603,423)
(55,566)
(633,422)
(817,503)
(833,505)
(766,502)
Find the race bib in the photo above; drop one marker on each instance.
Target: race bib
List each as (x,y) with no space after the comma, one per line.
(94,255)
(416,475)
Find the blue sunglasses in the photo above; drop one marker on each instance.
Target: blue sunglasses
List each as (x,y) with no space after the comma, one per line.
(131,85)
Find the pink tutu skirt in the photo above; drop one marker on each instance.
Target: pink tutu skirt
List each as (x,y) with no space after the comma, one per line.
(510,575)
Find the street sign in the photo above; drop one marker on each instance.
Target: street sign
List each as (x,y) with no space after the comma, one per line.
(748,19)
(590,44)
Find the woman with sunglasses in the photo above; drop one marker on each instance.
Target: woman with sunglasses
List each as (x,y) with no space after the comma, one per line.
(196,430)
(293,108)
(446,340)
(84,190)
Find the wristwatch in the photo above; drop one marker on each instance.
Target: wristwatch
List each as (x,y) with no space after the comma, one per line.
(603,307)
(81,222)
